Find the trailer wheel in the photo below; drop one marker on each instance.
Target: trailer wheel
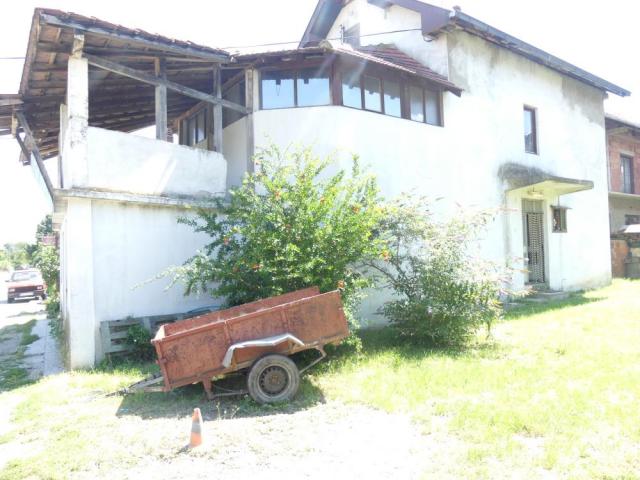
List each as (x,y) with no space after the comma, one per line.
(273,378)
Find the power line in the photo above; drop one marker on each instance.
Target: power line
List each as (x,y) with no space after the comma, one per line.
(274,44)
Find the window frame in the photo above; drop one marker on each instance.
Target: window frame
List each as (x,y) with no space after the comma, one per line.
(534,130)
(624,158)
(328,70)
(562,211)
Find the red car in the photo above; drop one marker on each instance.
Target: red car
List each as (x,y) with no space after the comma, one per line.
(26,284)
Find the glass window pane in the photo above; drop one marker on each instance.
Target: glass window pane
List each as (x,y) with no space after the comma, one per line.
(416,104)
(351,92)
(432,107)
(277,90)
(529,131)
(313,88)
(201,126)
(191,130)
(372,94)
(392,104)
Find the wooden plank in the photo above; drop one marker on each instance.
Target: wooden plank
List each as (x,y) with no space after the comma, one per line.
(161,100)
(217,110)
(36,152)
(153,80)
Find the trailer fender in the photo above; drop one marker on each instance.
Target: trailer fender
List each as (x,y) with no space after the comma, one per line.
(261,342)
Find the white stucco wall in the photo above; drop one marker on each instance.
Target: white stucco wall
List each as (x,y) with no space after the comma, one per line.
(111,254)
(235,151)
(483,130)
(118,161)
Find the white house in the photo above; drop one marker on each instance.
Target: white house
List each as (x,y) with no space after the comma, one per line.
(432,100)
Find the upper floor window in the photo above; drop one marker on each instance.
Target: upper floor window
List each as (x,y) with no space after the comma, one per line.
(559,216)
(295,88)
(424,105)
(193,129)
(626,166)
(384,95)
(632,219)
(530,130)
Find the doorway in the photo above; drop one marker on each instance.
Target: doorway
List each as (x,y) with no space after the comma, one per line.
(533,226)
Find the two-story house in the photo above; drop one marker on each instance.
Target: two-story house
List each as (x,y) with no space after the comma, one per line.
(434,101)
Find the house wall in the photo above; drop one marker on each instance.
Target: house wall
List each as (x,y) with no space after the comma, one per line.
(483,130)
(234,139)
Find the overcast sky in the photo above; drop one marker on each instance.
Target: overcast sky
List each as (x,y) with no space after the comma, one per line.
(597,36)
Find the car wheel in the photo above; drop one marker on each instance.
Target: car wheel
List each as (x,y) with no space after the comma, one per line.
(273,378)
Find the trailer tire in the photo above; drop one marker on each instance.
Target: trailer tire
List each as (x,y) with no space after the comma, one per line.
(273,378)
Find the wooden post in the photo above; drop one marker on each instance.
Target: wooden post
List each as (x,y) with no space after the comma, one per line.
(217,110)
(249,123)
(161,100)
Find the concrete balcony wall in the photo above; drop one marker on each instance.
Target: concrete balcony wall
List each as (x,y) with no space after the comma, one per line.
(121,162)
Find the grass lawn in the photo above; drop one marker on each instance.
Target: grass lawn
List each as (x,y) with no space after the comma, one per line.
(554,393)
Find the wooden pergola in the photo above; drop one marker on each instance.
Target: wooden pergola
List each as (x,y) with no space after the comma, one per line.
(136,79)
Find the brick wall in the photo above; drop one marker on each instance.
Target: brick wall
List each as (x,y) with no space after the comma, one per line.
(619,252)
(623,145)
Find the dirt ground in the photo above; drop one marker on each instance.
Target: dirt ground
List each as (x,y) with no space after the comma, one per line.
(329,440)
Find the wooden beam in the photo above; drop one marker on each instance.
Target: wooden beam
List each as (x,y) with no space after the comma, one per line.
(248,82)
(153,80)
(10,101)
(217,110)
(33,146)
(161,100)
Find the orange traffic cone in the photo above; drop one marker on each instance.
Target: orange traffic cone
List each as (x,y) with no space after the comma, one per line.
(196,429)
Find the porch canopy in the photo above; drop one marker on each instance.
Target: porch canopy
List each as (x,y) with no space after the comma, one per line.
(123,68)
(536,182)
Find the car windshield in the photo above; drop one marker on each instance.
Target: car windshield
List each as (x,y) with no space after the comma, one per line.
(23,276)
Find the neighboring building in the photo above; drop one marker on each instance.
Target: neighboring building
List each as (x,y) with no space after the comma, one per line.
(445,106)
(623,145)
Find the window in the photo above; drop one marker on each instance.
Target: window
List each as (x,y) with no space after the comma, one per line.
(372,94)
(278,89)
(424,105)
(351,36)
(194,129)
(559,215)
(351,91)
(416,101)
(295,88)
(313,88)
(632,219)
(392,99)
(530,131)
(626,166)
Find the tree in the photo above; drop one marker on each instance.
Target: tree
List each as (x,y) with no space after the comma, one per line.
(18,254)
(290,225)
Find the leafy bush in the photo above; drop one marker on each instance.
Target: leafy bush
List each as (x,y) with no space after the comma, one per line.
(139,340)
(47,259)
(290,225)
(444,291)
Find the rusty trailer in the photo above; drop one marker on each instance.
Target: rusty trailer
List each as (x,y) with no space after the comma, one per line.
(258,336)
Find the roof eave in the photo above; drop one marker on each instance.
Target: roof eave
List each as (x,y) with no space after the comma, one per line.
(491,34)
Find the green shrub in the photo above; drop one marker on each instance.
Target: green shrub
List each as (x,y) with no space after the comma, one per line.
(444,291)
(139,341)
(290,225)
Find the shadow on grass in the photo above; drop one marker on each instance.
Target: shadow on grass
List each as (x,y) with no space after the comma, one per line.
(14,340)
(180,402)
(529,307)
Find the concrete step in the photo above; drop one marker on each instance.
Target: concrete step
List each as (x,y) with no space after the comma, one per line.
(542,296)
